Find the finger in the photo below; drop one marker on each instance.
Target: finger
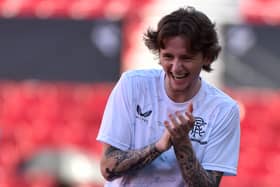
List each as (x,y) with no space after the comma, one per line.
(186,123)
(191,119)
(166,133)
(170,127)
(174,120)
(167,125)
(190,107)
(183,119)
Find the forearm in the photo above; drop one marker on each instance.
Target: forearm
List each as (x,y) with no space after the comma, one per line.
(193,173)
(116,163)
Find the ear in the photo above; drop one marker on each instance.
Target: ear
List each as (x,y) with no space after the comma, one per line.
(207,61)
(207,65)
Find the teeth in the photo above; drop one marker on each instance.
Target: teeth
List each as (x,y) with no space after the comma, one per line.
(179,76)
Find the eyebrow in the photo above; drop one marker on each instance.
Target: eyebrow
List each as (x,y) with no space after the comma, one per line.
(186,55)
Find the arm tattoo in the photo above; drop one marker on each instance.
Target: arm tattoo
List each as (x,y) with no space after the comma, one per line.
(216,176)
(193,173)
(125,162)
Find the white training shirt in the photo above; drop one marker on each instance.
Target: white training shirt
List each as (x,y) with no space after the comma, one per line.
(134,116)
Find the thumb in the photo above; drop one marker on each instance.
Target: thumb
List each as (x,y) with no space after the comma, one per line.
(190,108)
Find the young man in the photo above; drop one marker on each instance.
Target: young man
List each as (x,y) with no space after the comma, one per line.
(170,127)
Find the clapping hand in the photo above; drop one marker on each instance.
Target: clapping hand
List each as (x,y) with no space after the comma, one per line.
(177,128)
(180,124)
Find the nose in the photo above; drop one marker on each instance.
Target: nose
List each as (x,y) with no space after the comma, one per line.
(177,66)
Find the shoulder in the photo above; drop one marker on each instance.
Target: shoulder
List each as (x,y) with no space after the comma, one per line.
(146,77)
(133,79)
(218,97)
(223,111)
(142,74)
(142,83)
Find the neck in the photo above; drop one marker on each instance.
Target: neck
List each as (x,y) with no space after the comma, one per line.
(181,97)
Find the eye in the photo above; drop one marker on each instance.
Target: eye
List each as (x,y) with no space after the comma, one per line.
(186,58)
(167,56)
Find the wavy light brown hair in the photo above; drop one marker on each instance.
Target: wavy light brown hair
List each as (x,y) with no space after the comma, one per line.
(190,24)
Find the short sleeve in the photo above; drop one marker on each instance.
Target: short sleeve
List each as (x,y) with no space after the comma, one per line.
(222,151)
(117,119)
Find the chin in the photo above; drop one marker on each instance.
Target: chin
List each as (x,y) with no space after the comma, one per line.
(179,88)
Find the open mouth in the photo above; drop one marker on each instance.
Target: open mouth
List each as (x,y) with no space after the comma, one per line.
(179,76)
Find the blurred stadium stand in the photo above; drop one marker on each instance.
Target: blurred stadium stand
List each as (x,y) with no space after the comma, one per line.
(260,147)
(60,49)
(52,115)
(58,116)
(252,56)
(260,11)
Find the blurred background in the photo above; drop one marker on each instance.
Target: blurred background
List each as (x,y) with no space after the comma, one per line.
(59,60)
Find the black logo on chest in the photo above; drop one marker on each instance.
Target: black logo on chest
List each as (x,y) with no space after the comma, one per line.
(142,115)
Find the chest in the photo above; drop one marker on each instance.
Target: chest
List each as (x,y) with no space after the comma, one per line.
(150,117)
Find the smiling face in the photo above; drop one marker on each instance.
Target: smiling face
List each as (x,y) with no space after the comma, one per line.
(182,68)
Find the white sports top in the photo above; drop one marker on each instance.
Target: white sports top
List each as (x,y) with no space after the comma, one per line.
(134,116)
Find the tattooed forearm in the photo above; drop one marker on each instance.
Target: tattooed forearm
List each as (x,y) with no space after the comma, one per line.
(216,176)
(193,173)
(120,162)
